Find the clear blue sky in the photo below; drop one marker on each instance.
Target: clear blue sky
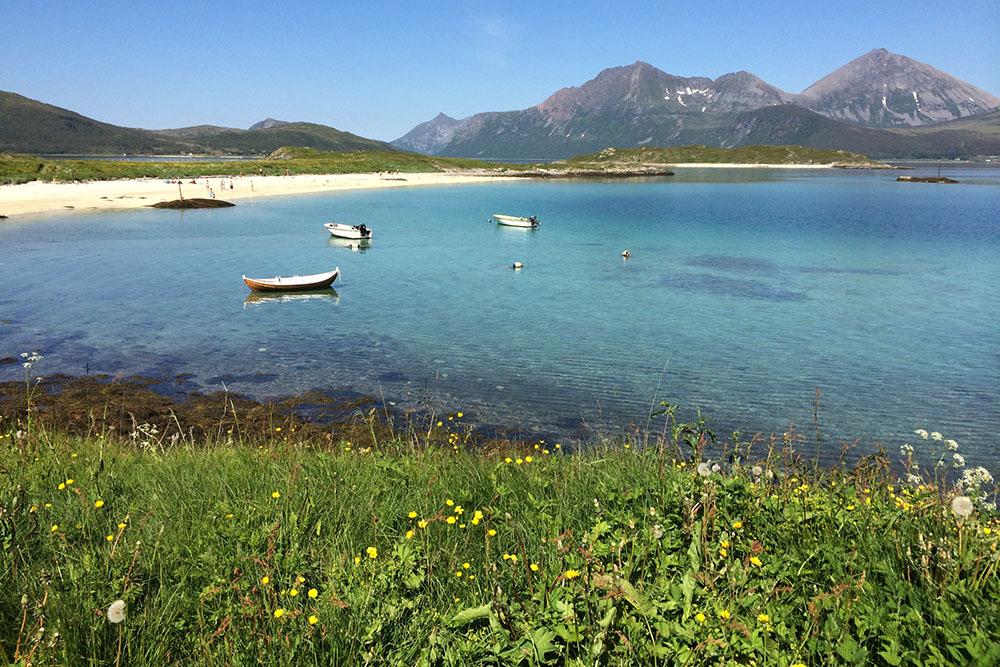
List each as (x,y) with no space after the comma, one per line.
(379,68)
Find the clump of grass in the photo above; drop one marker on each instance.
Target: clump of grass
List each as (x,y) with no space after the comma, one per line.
(413,549)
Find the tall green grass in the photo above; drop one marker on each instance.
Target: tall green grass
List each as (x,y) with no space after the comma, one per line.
(414,550)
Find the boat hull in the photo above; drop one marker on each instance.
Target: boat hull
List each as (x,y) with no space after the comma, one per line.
(514,221)
(292,283)
(348,232)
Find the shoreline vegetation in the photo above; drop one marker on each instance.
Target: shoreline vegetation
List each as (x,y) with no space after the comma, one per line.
(39,185)
(137,530)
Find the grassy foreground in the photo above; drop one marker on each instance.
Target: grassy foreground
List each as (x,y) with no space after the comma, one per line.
(416,551)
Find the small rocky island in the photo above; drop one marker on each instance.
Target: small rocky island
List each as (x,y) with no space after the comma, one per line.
(193,203)
(926,179)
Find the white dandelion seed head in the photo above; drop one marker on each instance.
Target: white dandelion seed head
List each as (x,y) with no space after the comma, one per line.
(704,470)
(757,471)
(116,611)
(716,468)
(922,433)
(961,506)
(936,436)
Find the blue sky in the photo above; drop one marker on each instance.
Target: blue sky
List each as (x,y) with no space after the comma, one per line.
(379,68)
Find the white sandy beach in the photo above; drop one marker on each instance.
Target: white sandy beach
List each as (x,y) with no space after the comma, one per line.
(46,197)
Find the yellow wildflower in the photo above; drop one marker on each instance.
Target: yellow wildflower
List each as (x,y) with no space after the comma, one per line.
(466,566)
(265,580)
(571,574)
(372,552)
(737,525)
(357,560)
(458,574)
(275,494)
(313,619)
(491,532)
(755,561)
(300,579)
(700,617)
(412,515)
(508,460)
(279,612)
(460,415)
(764,618)
(109,538)
(312,593)
(62,485)
(55,527)
(422,523)
(449,502)
(409,534)
(122,525)
(534,567)
(98,503)
(529,459)
(724,544)
(440,424)
(519,461)
(69,482)
(293,592)
(724,614)
(723,552)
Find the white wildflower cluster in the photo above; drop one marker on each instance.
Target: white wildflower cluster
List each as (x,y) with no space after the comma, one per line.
(146,436)
(30,359)
(949,449)
(906,450)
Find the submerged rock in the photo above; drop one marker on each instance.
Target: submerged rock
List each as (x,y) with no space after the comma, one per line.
(193,203)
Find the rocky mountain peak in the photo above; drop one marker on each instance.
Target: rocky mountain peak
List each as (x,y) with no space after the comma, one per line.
(267,124)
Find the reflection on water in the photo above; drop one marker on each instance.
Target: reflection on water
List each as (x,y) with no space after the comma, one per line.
(357,245)
(258,298)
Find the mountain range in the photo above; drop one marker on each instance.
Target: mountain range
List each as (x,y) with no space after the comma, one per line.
(882,104)
(30,126)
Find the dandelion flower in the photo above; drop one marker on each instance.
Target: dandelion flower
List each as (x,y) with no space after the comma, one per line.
(279,612)
(357,560)
(764,618)
(518,461)
(724,543)
(312,593)
(466,566)
(451,520)
(449,502)
(458,573)
(491,532)
(69,482)
(109,538)
(962,507)
(293,592)
(571,574)
(700,617)
(508,460)
(755,561)
(122,526)
(412,515)
(724,614)
(422,523)
(62,485)
(372,552)
(116,611)
(98,503)
(534,567)
(460,415)
(265,580)
(55,527)
(275,494)
(737,525)
(528,459)
(313,619)
(409,534)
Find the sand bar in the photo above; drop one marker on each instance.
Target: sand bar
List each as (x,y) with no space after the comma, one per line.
(48,197)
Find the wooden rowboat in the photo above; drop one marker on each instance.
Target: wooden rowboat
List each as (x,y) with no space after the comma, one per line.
(356,232)
(515,221)
(292,283)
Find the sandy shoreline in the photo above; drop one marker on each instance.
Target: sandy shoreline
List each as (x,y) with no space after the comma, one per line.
(49,197)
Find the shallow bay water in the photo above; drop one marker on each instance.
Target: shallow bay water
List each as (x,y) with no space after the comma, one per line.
(747,291)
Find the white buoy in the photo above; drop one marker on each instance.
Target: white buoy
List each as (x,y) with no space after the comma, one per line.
(626,254)
(517,265)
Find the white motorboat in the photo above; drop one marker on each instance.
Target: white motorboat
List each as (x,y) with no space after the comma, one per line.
(356,232)
(515,221)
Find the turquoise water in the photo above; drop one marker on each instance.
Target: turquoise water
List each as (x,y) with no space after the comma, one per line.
(746,292)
